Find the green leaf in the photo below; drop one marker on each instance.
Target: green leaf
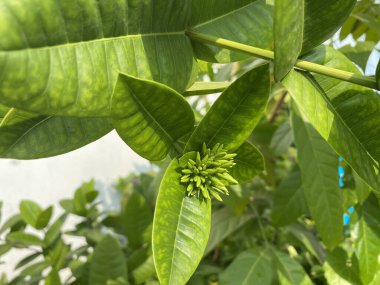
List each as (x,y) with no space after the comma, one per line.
(309,240)
(254,21)
(339,269)
(368,239)
(235,114)
(53,278)
(348,122)
(44,218)
(288,35)
(15,221)
(30,212)
(361,188)
(63,57)
(34,269)
(319,164)
(253,266)
(137,216)
(289,200)
(282,139)
(359,53)
(290,272)
(24,239)
(54,230)
(3,112)
(249,163)
(144,272)
(181,228)
(150,117)
(26,135)
(204,88)
(108,262)
(378,75)
(27,260)
(223,224)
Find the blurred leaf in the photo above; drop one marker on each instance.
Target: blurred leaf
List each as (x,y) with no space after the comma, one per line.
(150,127)
(339,269)
(253,266)
(249,162)
(27,260)
(144,272)
(34,269)
(53,278)
(359,53)
(4,248)
(288,35)
(137,216)
(309,240)
(223,224)
(282,139)
(108,262)
(319,171)
(181,227)
(30,211)
(44,218)
(290,272)
(54,230)
(289,200)
(367,243)
(24,239)
(235,114)
(14,222)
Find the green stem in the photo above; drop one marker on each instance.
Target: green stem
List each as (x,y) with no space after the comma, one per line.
(301,64)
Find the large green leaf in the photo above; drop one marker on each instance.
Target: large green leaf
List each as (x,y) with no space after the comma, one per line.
(223,224)
(288,35)
(336,129)
(254,22)
(289,199)
(235,114)
(108,262)
(181,228)
(249,162)
(63,57)
(319,164)
(26,135)
(253,266)
(367,243)
(149,116)
(137,216)
(290,272)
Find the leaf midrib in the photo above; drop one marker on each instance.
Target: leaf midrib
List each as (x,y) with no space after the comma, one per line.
(99,40)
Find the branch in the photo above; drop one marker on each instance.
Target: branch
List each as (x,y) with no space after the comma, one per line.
(301,64)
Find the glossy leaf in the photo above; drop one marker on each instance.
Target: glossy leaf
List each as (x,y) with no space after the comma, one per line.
(108,262)
(150,117)
(319,164)
(254,21)
(338,128)
(249,163)
(137,216)
(339,269)
(67,55)
(181,228)
(223,224)
(367,243)
(290,272)
(26,135)
(288,35)
(253,266)
(235,114)
(289,200)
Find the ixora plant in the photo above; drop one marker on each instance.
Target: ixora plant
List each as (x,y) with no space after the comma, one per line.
(71,71)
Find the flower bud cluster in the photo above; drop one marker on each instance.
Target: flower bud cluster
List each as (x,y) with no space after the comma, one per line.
(207,176)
